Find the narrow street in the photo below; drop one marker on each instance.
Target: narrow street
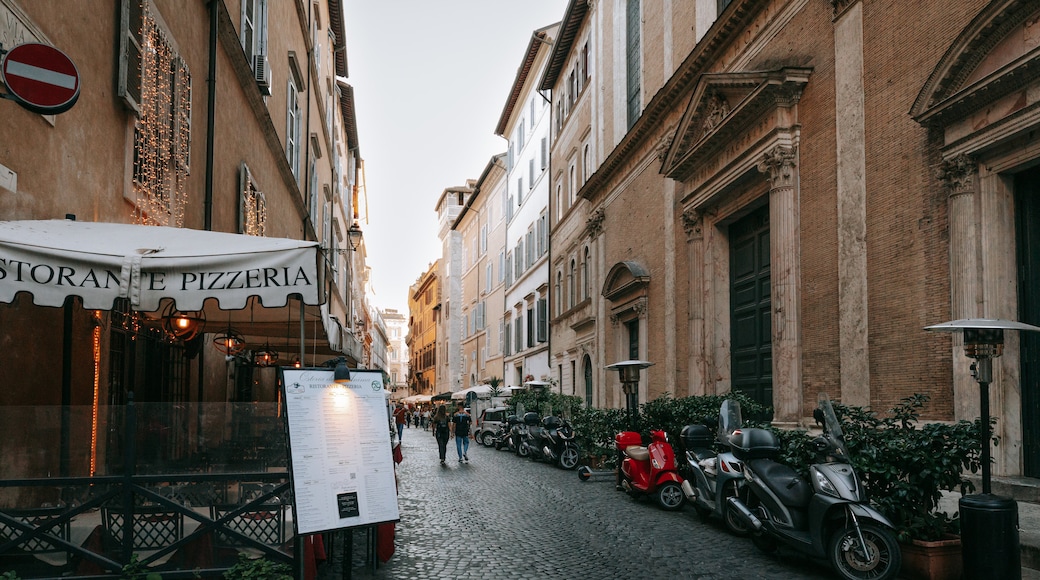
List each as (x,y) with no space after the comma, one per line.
(504,517)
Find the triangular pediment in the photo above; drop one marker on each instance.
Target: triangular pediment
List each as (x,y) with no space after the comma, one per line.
(720,109)
(997,54)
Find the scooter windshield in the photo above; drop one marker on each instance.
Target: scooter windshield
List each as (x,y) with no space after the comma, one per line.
(833,426)
(729,419)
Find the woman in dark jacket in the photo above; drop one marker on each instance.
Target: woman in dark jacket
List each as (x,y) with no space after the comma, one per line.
(442,431)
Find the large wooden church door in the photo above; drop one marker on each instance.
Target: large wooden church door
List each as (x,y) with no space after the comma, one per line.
(751,342)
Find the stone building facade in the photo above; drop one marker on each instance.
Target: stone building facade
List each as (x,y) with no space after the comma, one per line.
(781,194)
(424,308)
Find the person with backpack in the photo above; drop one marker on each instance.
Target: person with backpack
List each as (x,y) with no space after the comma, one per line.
(460,428)
(441,431)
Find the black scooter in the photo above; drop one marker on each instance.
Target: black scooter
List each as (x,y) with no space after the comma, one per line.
(500,438)
(551,441)
(827,517)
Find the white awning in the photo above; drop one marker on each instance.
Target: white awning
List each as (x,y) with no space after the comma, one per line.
(100,262)
(481,391)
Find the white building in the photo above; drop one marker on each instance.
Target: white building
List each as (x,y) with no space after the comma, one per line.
(525,123)
(397,351)
(450,324)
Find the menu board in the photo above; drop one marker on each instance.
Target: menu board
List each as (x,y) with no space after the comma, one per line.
(340,460)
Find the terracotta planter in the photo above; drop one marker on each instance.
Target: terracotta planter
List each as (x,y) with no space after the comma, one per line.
(938,560)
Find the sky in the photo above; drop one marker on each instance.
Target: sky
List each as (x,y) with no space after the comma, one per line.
(430,79)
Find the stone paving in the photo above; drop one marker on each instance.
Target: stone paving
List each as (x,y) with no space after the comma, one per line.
(501,516)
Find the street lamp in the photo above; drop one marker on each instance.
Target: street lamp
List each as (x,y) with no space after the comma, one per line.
(987,520)
(628,372)
(354,236)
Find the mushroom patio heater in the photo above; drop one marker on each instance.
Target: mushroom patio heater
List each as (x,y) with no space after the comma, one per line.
(628,372)
(989,523)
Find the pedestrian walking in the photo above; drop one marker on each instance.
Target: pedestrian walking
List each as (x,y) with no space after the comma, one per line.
(460,428)
(441,431)
(399,419)
(425,419)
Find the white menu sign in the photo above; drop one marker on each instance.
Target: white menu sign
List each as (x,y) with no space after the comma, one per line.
(341,463)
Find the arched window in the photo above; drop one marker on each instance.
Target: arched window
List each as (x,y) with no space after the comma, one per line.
(586,284)
(571,297)
(586,162)
(559,293)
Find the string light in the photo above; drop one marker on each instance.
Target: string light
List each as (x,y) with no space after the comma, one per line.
(255,205)
(162,135)
(97,392)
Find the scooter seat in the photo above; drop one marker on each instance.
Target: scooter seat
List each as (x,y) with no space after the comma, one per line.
(637,452)
(700,454)
(793,491)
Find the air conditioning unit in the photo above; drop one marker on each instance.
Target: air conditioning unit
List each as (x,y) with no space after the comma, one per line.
(262,72)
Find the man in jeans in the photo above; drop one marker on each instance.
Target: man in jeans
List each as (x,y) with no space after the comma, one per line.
(460,428)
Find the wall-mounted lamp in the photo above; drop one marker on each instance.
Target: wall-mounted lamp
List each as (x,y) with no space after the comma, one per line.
(354,236)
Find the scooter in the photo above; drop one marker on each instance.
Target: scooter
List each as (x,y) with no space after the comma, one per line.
(651,470)
(828,517)
(552,441)
(710,478)
(500,438)
(519,432)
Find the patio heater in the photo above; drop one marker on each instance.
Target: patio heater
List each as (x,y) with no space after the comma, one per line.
(989,523)
(628,372)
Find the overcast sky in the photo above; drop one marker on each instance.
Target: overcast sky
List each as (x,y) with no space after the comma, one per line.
(430,79)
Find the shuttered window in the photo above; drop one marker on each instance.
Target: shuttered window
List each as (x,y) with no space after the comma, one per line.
(632,61)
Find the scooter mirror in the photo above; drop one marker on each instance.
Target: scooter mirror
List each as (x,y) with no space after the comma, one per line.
(818,417)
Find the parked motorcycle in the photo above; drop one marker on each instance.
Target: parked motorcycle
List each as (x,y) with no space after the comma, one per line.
(710,478)
(828,517)
(519,431)
(651,470)
(500,438)
(552,441)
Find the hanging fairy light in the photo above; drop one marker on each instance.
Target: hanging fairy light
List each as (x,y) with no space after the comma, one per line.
(162,135)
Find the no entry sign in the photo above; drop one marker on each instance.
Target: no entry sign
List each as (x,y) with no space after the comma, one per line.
(41,78)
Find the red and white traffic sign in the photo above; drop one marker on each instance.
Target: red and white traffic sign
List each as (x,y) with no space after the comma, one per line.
(42,78)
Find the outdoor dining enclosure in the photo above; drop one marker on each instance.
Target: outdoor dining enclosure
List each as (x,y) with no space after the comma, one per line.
(127,441)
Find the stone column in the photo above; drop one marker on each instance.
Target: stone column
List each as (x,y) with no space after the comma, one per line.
(959,175)
(779,164)
(692,221)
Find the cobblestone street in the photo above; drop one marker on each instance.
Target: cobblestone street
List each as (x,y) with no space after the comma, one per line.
(501,516)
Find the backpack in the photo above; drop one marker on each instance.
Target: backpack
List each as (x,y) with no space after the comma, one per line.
(441,429)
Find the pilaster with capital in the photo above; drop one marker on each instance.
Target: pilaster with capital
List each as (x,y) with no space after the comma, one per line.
(959,176)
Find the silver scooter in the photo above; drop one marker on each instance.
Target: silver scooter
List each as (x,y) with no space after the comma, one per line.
(710,478)
(827,517)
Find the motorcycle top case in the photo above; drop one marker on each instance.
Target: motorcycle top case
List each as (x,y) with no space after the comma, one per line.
(627,439)
(531,418)
(755,444)
(696,437)
(551,422)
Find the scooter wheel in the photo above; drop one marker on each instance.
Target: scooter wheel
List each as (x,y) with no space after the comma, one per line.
(584,473)
(670,496)
(879,559)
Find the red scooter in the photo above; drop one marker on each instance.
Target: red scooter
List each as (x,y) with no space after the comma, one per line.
(649,470)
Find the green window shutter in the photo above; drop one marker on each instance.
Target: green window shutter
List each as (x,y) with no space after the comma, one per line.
(632,54)
(131,22)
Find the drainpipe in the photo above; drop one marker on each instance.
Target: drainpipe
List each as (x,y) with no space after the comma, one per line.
(211,89)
